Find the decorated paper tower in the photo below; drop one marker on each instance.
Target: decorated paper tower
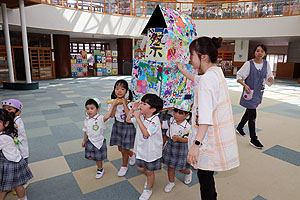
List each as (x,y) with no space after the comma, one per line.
(168,36)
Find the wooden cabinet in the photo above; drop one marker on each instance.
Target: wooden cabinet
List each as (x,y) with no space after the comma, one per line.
(3,65)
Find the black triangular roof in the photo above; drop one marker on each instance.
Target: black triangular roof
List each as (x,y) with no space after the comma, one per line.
(156,20)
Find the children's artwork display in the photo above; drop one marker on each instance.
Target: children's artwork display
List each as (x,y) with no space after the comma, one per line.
(106,62)
(145,77)
(165,46)
(79,65)
(171,42)
(175,86)
(156,45)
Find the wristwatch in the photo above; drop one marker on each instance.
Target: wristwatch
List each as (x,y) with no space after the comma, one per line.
(198,143)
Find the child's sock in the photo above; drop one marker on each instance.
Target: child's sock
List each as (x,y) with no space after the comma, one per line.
(131,154)
(124,165)
(100,169)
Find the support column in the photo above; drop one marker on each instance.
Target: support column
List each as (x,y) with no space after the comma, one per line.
(7,43)
(25,42)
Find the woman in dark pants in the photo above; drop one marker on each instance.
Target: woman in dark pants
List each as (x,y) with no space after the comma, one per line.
(212,143)
(253,75)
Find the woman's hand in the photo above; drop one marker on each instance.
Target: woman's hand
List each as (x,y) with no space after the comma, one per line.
(193,154)
(247,89)
(270,80)
(180,66)
(83,143)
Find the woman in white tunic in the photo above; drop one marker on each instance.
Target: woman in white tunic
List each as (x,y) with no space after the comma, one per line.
(212,146)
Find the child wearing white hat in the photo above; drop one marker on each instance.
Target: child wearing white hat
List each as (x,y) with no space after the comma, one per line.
(94,141)
(176,149)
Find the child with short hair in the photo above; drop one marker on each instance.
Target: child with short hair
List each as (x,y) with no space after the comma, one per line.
(176,149)
(94,141)
(14,171)
(148,141)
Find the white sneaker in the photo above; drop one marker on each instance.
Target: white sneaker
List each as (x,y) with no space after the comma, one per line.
(99,173)
(188,178)
(122,171)
(169,187)
(145,195)
(132,159)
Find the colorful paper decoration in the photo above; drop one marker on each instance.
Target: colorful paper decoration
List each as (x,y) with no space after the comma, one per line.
(175,86)
(114,71)
(145,77)
(156,45)
(114,53)
(171,42)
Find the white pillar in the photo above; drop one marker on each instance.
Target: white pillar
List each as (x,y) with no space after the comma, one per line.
(25,42)
(7,43)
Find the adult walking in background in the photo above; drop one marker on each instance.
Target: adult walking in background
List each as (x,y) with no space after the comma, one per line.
(253,75)
(212,144)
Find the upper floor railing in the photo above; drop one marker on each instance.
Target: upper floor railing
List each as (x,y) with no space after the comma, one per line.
(202,10)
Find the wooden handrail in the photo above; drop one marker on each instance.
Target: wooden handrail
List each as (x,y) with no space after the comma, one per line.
(211,9)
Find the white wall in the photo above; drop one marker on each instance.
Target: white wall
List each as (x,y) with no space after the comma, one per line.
(55,18)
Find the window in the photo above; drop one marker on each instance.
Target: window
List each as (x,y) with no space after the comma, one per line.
(77,47)
(273,59)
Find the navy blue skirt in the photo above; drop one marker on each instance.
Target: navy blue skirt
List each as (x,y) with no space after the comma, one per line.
(93,152)
(123,135)
(150,166)
(13,174)
(175,155)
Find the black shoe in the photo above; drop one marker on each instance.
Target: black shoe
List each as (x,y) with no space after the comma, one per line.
(240,131)
(256,144)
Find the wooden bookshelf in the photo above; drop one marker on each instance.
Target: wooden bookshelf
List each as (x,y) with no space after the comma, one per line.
(3,65)
(225,60)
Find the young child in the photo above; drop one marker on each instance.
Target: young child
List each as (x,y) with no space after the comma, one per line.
(14,108)
(123,133)
(176,149)
(164,117)
(94,141)
(148,141)
(14,171)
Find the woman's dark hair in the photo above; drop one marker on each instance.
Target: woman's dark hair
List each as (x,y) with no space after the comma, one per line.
(262,46)
(10,129)
(154,101)
(206,46)
(124,84)
(91,101)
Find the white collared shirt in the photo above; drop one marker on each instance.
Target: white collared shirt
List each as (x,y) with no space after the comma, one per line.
(19,125)
(148,149)
(120,112)
(94,128)
(182,130)
(9,149)
(244,72)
